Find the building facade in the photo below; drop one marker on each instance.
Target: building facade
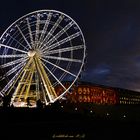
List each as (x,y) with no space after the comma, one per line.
(101,95)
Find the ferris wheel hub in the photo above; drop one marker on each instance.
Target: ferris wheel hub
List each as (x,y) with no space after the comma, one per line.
(31,53)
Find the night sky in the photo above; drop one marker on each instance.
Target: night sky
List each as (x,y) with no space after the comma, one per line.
(112,33)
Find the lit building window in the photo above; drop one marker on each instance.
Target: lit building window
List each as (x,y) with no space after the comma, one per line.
(80,98)
(84,90)
(107,114)
(76,108)
(80,90)
(124,116)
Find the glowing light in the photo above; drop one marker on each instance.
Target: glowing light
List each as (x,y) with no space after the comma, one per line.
(31,53)
(76,108)
(107,114)
(124,116)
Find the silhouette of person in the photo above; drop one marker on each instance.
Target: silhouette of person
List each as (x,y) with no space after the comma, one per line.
(28,102)
(6,101)
(39,103)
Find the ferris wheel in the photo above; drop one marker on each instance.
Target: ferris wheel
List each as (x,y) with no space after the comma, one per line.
(38,52)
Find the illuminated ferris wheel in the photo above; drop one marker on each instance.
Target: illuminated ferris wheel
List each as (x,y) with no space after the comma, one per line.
(38,52)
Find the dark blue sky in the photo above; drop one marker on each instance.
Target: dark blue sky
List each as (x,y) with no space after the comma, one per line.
(112,33)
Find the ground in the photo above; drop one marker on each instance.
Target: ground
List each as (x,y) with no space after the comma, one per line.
(44,124)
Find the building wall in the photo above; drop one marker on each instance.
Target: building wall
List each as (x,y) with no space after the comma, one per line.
(95,95)
(100,95)
(129,97)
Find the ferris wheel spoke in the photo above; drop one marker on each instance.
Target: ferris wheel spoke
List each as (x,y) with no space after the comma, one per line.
(23,37)
(64,49)
(1,94)
(13,56)
(14,69)
(60,33)
(52,29)
(19,42)
(54,76)
(62,41)
(45,28)
(59,67)
(37,30)
(9,47)
(30,33)
(64,59)
(11,82)
(13,62)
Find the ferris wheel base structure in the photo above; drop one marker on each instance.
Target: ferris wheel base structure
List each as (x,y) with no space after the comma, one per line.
(37,53)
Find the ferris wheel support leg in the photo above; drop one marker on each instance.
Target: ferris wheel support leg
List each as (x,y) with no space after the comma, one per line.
(47,84)
(20,88)
(13,86)
(14,95)
(24,85)
(29,85)
(44,95)
(37,85)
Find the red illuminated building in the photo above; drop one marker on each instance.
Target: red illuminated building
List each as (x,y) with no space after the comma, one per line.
(102,95)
